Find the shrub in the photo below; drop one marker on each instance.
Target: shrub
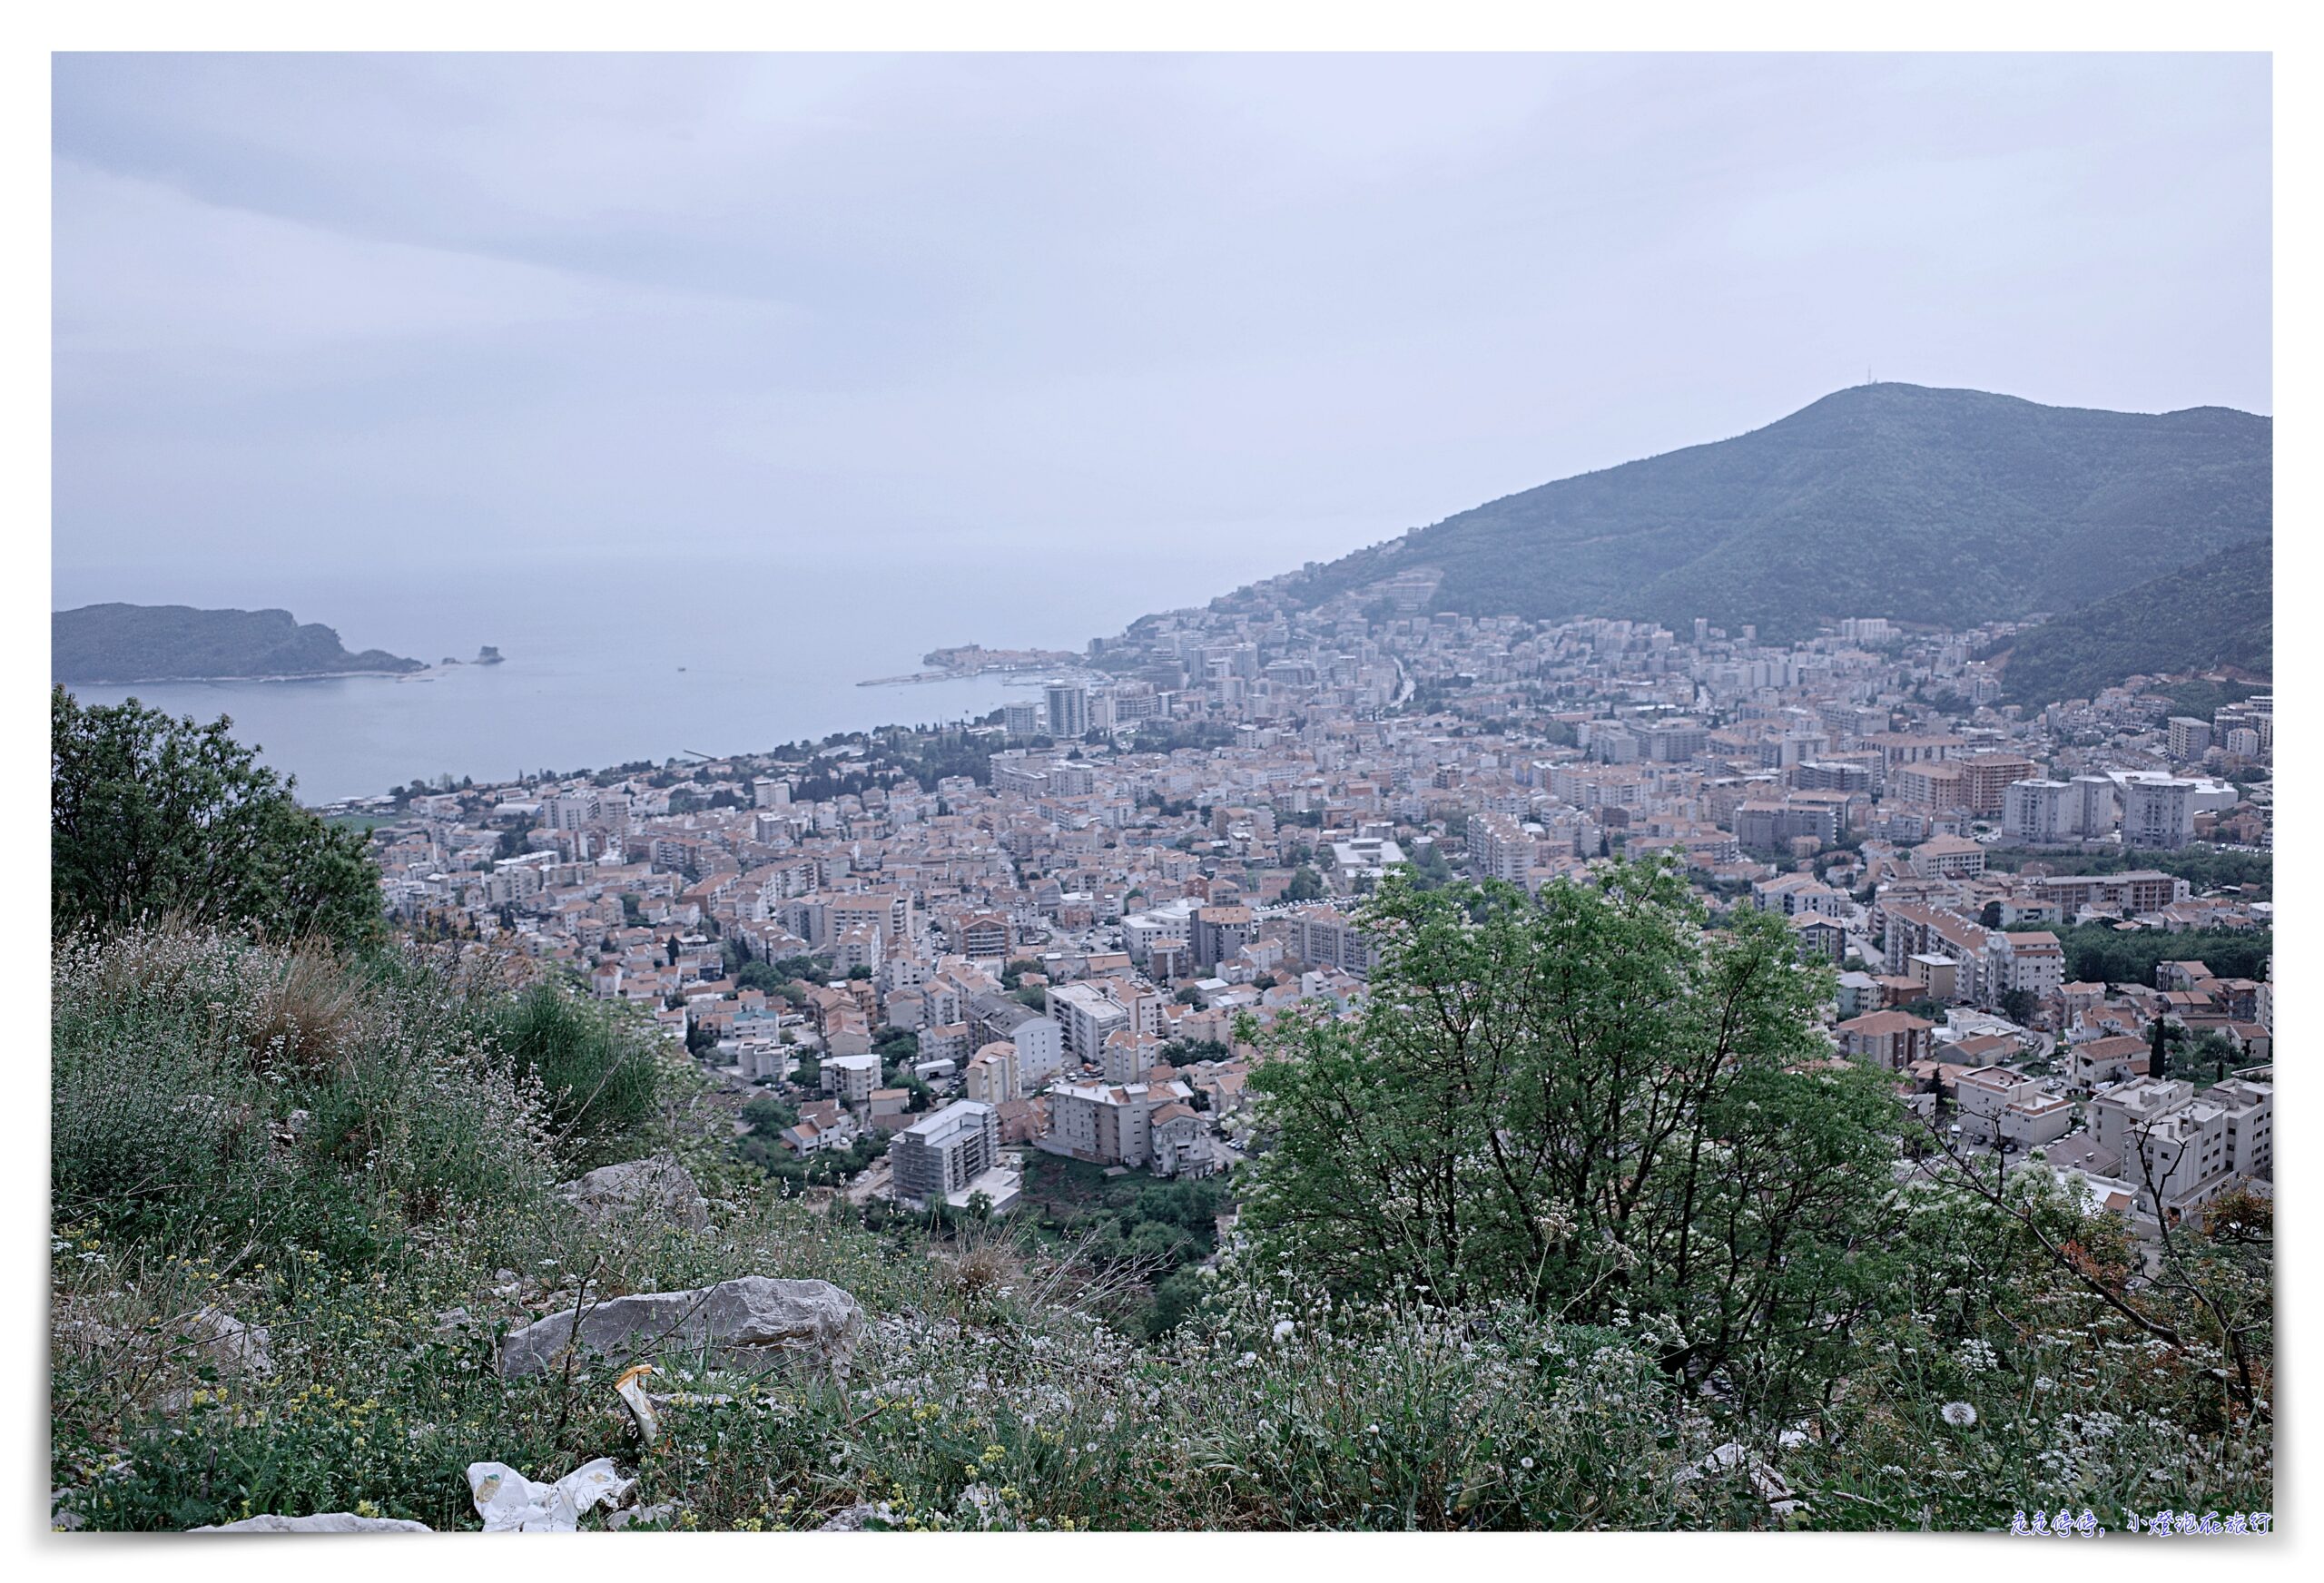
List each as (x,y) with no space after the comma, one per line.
(596,1068)
(151,817)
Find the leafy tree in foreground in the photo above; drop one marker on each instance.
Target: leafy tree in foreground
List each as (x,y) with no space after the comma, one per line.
(151,816)
(1588,1104)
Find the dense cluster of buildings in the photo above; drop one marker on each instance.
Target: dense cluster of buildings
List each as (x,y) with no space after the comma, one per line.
(1176,835)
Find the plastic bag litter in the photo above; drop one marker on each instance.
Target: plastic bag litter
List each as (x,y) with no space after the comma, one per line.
(511,1503)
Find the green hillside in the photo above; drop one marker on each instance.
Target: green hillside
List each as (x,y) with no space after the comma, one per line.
(1952,506)
(2217,612)
(156,643)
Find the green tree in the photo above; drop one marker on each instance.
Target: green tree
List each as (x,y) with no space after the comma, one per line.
(152,817)
(1590,1104)
(1306,885)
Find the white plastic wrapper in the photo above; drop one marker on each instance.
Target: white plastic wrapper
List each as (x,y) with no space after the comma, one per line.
(511,1503)
(631,1389)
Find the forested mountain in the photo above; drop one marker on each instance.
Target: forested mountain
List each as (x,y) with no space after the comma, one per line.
(157,642)
(2218,612)
(1949,506)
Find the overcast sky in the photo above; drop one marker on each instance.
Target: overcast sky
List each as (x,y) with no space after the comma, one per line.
(315,311)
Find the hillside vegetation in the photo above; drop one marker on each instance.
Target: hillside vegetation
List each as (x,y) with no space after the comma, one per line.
(1948,507)
(2218,612)
(158,642)
(1577,1228)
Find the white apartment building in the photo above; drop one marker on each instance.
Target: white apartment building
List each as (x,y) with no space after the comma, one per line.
(1068,704)
(1086,1015)
(2172,1144)
(1172,922)
(1322,938)
(1106,1123)
(2041,812)
(991,1077)
(2251,1110)
(2157,813)
(944,1151)
(851,1078)
(2190,738)
(2030,960)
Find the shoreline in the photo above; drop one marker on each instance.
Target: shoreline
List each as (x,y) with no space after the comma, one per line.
(918,677)
(290,676)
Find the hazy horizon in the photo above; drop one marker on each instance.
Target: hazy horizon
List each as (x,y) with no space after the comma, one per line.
(848,314)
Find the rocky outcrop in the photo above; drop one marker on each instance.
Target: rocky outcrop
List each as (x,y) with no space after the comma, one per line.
(320,1522)
(657,1185)
(230,1344)
(751,1323)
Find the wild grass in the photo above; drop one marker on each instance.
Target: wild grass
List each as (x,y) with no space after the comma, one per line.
(386,1211)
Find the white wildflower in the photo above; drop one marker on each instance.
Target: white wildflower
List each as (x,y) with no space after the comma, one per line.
(1959,1414)
(1283,1329)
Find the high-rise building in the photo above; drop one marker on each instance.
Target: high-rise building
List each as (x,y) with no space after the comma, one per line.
(2157,813)
(1219,932)
(1069,709)
(2040,812)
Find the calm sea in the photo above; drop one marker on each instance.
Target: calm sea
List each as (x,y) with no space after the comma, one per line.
(605,666)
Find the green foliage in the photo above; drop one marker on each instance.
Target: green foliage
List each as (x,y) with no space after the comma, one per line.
(151,817)
(2219,610)
(1774,528)
(2200,695)
(1588,1106)
(822,1169)
(595,1065)
(345,1156)
(1186,1052)
(2098,953)
(281,1098)
(2205,867)
(1153,1232)
(769,1114)
(1306,885)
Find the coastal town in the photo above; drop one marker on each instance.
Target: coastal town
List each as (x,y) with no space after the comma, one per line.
(924,966)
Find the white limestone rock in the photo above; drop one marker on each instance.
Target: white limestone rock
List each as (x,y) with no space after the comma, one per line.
(751,1323)
(657,1185)
(320,1522)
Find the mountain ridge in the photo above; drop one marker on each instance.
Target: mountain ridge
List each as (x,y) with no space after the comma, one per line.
(1947,505)
(2218,612)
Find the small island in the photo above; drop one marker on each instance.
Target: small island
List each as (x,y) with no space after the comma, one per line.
(123,644)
